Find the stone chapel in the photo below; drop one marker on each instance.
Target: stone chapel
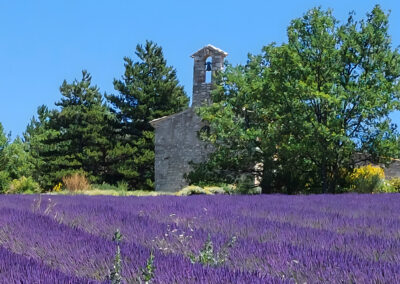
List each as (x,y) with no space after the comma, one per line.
(176,136)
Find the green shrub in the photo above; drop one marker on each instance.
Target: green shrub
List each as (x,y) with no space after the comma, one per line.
(230,188)
(227,188)
(395,183)
(105,186)
(367,179)
(209,257)
(223,189)
(115,273)
(214,190)
(191,190)
(4,181)
(194,190)
(253,190)
(245,185)
(23,185)
(385,187)
(148,270)
(121,186)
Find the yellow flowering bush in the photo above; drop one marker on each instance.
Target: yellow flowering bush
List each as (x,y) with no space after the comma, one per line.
(367,179)
(57,187)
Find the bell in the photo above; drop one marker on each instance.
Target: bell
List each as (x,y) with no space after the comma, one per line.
(208,66)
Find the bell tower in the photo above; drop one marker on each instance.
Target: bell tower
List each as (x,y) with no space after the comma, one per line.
(203,71)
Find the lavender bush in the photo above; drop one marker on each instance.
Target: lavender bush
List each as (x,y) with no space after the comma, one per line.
(278,239)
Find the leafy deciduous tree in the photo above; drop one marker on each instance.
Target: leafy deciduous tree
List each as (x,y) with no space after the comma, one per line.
(306,108)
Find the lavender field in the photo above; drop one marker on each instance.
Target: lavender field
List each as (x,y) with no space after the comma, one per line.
(271,239)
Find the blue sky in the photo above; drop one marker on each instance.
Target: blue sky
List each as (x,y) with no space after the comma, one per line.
(44,42)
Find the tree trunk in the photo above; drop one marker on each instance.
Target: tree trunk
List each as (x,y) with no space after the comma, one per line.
(324,179)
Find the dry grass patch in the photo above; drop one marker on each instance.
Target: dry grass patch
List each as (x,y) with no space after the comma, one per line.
(76,182)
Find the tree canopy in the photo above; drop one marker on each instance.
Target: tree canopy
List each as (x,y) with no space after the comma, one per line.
(305,109)
(148,90)
(73,138)
(108,142)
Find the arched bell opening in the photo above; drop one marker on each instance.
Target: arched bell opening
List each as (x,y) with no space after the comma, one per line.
(208,67)
(207,61)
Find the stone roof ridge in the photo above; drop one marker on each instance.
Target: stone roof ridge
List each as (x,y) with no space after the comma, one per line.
(211,48)
(154,122)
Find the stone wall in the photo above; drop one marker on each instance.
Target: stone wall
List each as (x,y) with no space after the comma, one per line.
(393,170)
(202,89)
(176,136)
(176,145)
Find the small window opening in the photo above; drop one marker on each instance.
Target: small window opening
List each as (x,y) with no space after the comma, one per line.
(208,67)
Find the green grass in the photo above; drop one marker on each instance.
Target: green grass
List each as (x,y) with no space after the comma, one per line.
(112,192)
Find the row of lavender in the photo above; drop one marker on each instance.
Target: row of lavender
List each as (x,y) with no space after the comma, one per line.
(294,239)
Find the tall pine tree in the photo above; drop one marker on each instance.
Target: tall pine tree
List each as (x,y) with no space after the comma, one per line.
(3,141)
(74,138)
(35,135)
(148,90)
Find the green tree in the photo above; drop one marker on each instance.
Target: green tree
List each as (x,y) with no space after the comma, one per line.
(304,109)
(35,136)
(4,140)
(4,176)
(15,160)
(74,138)
(148,90)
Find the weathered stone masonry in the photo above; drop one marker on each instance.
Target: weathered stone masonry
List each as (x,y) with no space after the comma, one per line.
(176,139)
